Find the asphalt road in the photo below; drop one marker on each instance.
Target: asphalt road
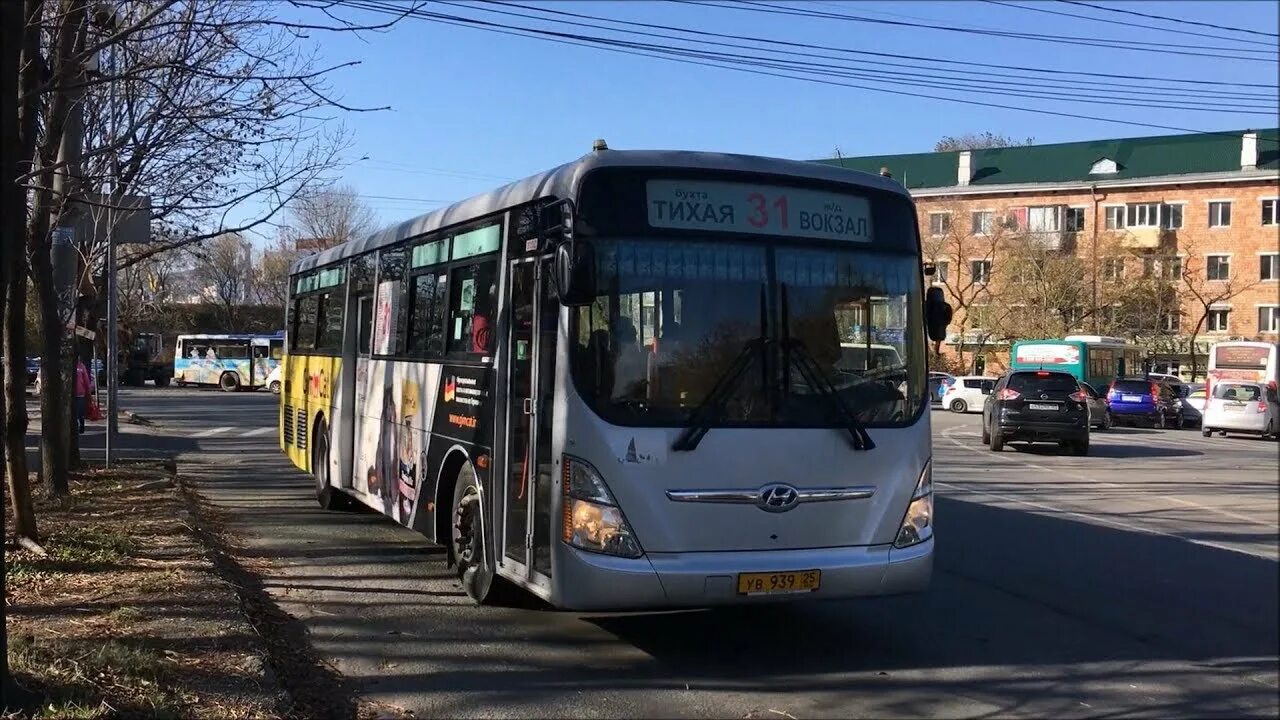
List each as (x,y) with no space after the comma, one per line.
(1140,580)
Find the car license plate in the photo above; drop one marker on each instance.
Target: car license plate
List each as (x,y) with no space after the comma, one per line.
(1131,398)
(1043,406)
(768,583)
(1235,408)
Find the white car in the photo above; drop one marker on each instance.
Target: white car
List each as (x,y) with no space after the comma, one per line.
(273,380)
(965,393)
(1242,407)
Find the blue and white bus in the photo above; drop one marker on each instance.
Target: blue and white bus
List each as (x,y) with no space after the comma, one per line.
(236,361)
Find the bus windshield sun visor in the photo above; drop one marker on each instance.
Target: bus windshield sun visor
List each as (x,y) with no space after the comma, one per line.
(798,356)
(711,409)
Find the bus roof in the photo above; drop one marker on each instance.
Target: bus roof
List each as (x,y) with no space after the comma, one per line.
(562,181)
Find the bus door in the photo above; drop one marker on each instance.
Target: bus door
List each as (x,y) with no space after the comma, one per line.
(531,351)
(349,409)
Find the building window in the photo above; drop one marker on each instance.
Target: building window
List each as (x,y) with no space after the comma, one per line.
(1269,266)
(1143,215)
(940,271)
(939,223)
(1269,319)
(1218,267)
(983,221)
(1115,217)
(1219,319)
(1269,212)
(1075,219)
(1220,213)
(1168,268)
(1044,219)
(979,316)
(1171,217)
(1112,268)
(1170,321)
(980,270)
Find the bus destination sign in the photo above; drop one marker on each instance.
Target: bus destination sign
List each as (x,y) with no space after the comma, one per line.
(757,209)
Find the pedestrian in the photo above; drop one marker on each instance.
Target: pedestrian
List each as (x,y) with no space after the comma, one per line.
(84,386)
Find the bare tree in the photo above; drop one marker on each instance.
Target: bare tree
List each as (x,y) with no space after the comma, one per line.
(1208,285)
(1046,289)
(978,141)
(328,216)
(965,250)
(224,269)
(212,109)
(271,274)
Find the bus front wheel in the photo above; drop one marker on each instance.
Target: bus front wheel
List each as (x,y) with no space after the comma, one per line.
(229,382)
(467,535)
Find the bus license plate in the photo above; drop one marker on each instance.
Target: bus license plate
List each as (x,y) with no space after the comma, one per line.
(1043,406)
(768,583)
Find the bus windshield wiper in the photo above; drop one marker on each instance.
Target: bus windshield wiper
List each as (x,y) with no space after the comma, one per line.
(711,409)
(796,354)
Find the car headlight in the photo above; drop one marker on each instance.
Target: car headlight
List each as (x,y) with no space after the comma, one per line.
(917,524)
(591,517)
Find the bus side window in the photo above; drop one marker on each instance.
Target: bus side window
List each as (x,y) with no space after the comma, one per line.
(304,335)
(277,349)
(472,303)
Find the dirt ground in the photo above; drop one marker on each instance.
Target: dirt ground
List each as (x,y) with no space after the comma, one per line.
(128,616)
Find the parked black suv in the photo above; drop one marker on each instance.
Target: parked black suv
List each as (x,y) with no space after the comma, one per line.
(1037,406)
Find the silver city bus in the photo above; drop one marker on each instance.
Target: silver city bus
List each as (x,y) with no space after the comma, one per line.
(638,380)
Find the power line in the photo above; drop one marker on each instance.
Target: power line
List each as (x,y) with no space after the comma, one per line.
(1128,24)
(499,28)
(1180,21)
(917,58)
(1096,94)
(1109,43)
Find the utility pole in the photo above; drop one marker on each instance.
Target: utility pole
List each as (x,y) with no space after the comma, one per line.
(68,188)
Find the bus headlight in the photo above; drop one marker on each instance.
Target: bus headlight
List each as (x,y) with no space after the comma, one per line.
(917,524)
(591,518)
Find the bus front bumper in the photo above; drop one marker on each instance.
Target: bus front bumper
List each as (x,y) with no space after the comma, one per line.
(591,581)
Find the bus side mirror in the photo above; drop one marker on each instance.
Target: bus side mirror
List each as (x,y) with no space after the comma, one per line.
(575,273)
(937,314)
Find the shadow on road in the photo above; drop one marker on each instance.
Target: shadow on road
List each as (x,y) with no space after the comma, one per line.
(1108,450)
(1029,613)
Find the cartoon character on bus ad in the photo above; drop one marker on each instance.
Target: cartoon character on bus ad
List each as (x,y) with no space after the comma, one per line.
(407,479)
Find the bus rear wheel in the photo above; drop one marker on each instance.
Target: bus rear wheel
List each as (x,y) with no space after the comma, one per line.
(229,382)
(329,497)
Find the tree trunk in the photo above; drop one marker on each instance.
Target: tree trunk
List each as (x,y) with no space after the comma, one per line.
(55,404)
(16,130)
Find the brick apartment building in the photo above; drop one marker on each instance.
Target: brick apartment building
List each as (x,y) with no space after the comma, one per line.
(1145,238)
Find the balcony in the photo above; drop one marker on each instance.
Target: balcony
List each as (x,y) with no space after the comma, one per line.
(1053,239)
(1147,237)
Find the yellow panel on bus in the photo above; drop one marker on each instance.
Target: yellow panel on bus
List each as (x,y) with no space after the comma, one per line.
(309,382)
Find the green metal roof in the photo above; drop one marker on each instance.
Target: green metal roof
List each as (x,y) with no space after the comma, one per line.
(1154,156)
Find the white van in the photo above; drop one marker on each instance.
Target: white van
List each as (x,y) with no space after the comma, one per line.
(965,393)
(1242,407)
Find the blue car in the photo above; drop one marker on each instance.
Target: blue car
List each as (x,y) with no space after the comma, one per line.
(1142,401)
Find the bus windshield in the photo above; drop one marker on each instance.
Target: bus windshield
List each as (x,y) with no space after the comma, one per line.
(674,318)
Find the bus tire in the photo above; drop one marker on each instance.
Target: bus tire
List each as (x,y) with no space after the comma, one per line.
(468,552)
(959,406)
(229,382)
(329,497)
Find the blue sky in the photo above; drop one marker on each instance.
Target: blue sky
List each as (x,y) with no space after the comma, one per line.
(470,109)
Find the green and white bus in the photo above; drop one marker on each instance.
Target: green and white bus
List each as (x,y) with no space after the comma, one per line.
(1094,359)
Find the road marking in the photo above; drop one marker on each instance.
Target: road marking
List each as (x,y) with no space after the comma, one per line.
(948,434)
(211,431)
(258,431)
(1103,520)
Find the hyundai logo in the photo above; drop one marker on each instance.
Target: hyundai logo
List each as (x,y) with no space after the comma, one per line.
(777,497)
